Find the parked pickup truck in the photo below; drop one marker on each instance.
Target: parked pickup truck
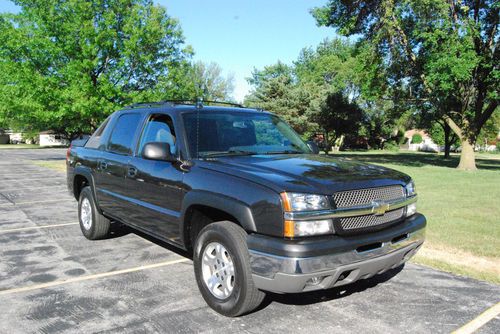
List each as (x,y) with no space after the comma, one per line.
(257,207)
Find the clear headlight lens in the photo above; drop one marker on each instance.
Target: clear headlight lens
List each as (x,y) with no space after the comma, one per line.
(410,189)
(304,202)
(411,209)
(308,228)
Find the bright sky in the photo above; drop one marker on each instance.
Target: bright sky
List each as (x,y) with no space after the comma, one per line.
(241,35)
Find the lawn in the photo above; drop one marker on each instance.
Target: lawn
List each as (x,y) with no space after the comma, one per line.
(59,165)
(462,209)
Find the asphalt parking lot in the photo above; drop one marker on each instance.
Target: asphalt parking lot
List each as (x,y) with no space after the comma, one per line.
(52,279)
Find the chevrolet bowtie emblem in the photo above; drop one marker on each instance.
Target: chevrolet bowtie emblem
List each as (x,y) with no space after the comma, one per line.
(379,208)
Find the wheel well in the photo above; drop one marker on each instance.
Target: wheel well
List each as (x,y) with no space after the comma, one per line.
(79,182)
(199,216)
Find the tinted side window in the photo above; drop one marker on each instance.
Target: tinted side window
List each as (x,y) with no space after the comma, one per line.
(123,134)
(159,128)
(95,140)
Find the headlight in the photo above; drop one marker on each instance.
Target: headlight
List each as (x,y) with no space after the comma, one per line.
(410,189)
(411,209)
(304,202)
(308,227)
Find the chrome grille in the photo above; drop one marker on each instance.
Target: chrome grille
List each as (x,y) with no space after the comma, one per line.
(350,198)
(359,197)
(359,222)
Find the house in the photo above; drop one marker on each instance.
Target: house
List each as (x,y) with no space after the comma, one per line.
(50,138)
(426,145)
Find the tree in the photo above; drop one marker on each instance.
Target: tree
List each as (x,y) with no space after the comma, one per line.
(209,82)
(444,53)
(65,65)
(338,117)
(275,89)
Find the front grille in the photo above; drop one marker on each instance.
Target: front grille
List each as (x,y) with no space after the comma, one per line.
(362,222)
(350,198)
(358,224)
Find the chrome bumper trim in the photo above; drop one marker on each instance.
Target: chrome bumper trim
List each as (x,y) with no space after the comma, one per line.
(362,210)
(268,265)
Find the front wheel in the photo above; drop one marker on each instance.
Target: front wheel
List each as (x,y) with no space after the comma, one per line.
(222,269)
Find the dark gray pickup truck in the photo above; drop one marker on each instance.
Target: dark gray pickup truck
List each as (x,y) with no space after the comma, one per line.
(257,207)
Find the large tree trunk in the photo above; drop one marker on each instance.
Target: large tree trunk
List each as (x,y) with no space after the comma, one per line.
(467,157)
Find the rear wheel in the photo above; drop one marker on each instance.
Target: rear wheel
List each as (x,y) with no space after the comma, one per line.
(92,223)
(222,269)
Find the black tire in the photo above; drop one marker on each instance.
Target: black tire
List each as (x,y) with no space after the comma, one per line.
(98,227)
(245,297)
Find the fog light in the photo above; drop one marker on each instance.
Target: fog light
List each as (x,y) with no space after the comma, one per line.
(314,280)
(411,209)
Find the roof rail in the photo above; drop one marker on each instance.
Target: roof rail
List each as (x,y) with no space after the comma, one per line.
(198,103)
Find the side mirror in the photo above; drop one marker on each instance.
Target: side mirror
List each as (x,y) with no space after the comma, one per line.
(312,145)
(157,151)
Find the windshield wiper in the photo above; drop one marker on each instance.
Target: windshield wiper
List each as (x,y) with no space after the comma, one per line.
(229,153)
(283,152)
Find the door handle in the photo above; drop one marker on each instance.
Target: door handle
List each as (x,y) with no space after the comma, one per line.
(103,165)
(132,171)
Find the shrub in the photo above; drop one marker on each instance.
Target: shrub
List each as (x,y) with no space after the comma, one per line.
(416,139)
(391,146)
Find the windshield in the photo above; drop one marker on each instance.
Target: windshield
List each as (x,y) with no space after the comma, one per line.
(240,133)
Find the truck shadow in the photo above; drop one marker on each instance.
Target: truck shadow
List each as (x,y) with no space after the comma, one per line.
(320,296)
(118,230)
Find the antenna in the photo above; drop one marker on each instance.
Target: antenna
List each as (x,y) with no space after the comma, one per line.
(199,103)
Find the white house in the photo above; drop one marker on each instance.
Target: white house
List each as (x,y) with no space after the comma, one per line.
(50,138)
(426,145)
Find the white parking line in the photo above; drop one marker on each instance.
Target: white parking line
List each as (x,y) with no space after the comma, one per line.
(480,321)
(35,227)
(90,277)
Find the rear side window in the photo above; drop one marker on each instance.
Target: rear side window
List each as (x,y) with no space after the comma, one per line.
(95,140)
(123,134)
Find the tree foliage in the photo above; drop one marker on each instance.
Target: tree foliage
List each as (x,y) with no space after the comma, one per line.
(66,65)
(276,89)
(338,116)
(442,54)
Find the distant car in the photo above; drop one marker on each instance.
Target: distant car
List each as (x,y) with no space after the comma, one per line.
(239,189)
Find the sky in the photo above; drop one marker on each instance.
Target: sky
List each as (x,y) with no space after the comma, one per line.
(244,34)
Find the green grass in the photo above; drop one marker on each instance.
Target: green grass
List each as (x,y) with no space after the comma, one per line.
(462,208)
(59,165)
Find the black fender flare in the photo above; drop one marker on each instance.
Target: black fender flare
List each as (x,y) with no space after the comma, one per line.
(87,173)
(236,208)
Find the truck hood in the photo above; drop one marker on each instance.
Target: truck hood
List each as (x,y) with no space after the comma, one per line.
(306,173)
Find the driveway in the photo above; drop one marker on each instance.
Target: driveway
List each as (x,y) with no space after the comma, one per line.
(52,279)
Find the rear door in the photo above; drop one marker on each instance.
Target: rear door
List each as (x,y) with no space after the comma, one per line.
(156,186)
(112,166)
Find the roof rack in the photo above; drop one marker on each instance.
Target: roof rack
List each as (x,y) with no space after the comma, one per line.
(199,103)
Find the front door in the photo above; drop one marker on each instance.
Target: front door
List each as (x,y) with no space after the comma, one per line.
(156,186)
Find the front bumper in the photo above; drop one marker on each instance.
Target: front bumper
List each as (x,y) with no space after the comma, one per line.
(286,266)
